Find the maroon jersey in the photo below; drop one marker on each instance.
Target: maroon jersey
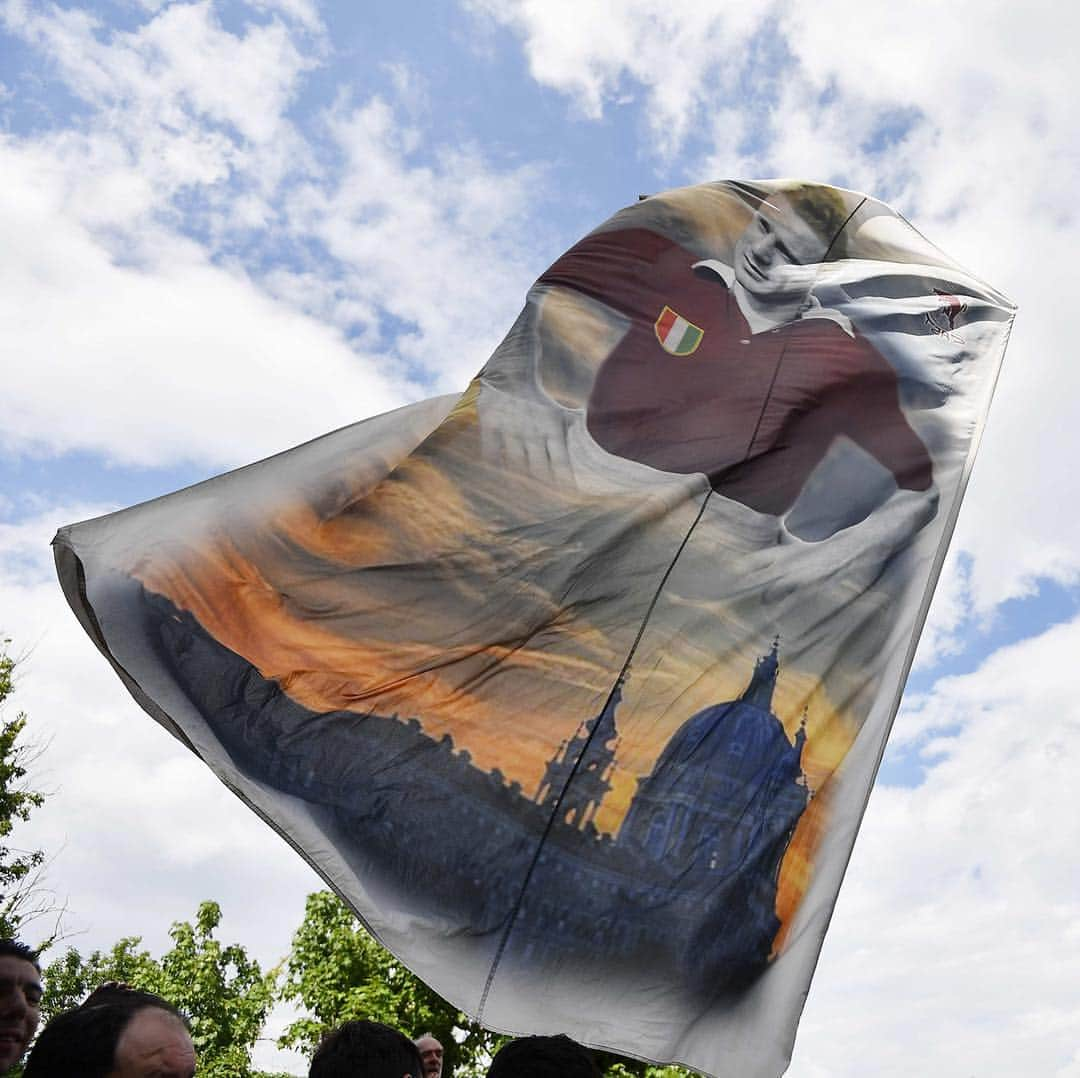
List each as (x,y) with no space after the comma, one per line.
(755,413)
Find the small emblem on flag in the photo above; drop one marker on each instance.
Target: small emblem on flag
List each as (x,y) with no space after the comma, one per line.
(675,334)
(943,320)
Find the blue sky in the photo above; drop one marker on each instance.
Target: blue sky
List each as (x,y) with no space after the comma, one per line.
(230,227)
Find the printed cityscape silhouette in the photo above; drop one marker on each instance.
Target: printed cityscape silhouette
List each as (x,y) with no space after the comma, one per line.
(687,885)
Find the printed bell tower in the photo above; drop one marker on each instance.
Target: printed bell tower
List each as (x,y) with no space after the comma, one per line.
(580,771)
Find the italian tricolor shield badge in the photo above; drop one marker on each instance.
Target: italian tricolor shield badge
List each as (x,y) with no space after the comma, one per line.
(675,334)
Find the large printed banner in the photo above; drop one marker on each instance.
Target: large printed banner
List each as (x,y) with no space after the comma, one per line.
(575,687)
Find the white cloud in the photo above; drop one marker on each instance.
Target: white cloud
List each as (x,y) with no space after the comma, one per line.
(149,364)
(955,944)
(179,67)
(137,326)
(442,248)
(304,12)
(178,104)
(684,54)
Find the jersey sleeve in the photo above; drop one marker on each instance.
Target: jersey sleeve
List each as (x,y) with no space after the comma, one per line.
(622,269)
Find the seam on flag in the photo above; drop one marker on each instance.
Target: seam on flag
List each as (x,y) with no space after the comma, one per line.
(624,669)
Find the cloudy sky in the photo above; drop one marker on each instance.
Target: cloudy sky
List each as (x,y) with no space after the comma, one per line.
(227,228)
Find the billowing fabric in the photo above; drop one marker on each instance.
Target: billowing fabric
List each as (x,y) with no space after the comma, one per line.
(575,687)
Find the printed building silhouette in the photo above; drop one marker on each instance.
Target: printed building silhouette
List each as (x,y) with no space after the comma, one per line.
(688,883)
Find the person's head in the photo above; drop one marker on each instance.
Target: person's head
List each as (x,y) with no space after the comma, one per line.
(776,258)
(431,1055)
(116,1033)
(363,1049)
(543,1057)
(20,1000)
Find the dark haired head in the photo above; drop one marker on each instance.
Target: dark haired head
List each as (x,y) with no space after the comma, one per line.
(543,1057)
(14,949)
(83,1041)
(365,1050)
(122,996)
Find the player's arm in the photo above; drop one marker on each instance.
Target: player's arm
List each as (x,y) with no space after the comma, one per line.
(876,422)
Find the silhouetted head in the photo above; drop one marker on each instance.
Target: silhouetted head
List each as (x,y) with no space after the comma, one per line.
(366,1050)
(543,1057)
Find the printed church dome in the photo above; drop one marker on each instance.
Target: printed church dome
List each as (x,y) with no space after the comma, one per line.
(727,782)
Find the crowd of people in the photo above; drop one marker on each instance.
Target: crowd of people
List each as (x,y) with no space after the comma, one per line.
(122,1032)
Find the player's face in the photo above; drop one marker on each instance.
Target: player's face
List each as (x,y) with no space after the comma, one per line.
(776,257)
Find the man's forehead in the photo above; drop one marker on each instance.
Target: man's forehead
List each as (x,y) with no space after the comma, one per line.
(156,1036)
(777,207)
(785,220)
(426,1043)
(18,970)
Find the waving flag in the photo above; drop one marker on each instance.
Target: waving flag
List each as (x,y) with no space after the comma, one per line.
(575,686)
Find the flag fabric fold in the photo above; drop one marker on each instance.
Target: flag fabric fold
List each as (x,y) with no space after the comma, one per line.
(575,686)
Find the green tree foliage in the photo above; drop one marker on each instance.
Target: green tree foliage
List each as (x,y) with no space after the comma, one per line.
(22,898)
(223,992)
(70,978)
(337,972)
